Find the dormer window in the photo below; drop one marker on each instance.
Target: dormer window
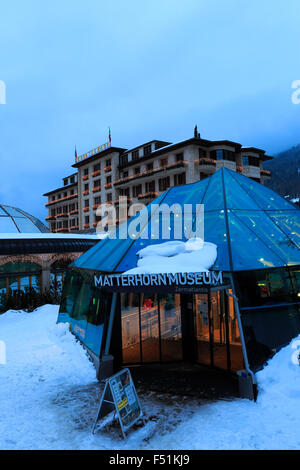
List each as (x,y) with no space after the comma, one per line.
(135,155)
(147,149)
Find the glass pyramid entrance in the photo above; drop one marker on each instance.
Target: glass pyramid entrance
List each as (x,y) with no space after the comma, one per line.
(252,226)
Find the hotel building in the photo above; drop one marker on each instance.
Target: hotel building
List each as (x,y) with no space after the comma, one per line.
(142,173)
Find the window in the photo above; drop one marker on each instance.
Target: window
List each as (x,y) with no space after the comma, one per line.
(97,200)
(97,183)
(202,153)
(179,179)
(86,187)
(136,190)
(123,160)
(86,171)
(164,162)
(164,183)
(179,157)
(65,181)
(96,167)
(137,170)
(109,197)
(125,174)
(150,187)
(108,162)
(72,179)
(135,155)
(250,160)
(108,179)
(147,149)
(150,166)
(87,219)
(223,155)
(86,203)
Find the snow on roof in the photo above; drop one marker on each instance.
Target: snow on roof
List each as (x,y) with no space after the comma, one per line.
(195,255)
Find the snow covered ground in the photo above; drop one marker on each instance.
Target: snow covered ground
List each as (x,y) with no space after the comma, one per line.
(49,397)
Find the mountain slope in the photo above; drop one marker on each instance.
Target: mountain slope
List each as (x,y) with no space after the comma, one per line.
(285,170)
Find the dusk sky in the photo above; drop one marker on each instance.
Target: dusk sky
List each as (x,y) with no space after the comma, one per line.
(149,69)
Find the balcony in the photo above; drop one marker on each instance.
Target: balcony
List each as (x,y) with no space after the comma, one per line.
(62,214)
(96,173)
(86,192)
(74,227)
(75,211)
(107,168)
(170,166)
(86,226)
(108,186)
(51,217)
(85,177)
(86,209)
(265,173)
(149,195)
(206,161)
(71,196)
(95,206)
(96,189)
(63,229)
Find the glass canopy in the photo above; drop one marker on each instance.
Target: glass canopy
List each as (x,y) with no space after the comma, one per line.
(14,220)
(252,226)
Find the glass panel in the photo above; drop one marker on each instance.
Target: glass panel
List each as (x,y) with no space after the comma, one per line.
(194,195)
(289,222)
(267,231)
(266,330)
(7,225)
(248,251)
(13,212)
(236,196)
(150,328)
(36,283)
(265,287)
(215,232)
(130,328)
(170,327)
(13,285)
(219,329)
(201,316)
(236,352)
(24,283)
(25,225)
(2,291)
(214,196)
(264,197)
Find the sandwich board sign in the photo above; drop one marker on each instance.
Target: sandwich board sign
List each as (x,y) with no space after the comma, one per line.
(119,395)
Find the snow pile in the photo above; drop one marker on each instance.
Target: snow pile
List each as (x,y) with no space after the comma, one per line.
(195,255)
(49,399)
(279,381)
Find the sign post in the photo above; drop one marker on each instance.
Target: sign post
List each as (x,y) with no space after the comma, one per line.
(119,395)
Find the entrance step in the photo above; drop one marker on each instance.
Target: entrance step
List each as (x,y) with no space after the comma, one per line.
(185,379)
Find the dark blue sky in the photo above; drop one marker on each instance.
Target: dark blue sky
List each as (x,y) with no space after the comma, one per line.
(149,69)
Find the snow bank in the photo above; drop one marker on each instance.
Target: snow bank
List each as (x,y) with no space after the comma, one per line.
(49,399)
(195,255)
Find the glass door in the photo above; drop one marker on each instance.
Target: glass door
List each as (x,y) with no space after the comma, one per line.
(202,328)
(217,335)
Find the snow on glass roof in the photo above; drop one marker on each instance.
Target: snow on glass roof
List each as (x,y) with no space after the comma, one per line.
(252,226)
(13,220)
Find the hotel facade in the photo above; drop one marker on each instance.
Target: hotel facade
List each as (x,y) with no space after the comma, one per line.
(142,174)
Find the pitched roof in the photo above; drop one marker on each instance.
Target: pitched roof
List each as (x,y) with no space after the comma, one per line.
(252,226)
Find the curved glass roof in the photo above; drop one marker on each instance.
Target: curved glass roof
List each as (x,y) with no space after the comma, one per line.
(252,226)
(13,220)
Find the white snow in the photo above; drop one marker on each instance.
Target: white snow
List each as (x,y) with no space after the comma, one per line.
(49,397)
(195,255)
